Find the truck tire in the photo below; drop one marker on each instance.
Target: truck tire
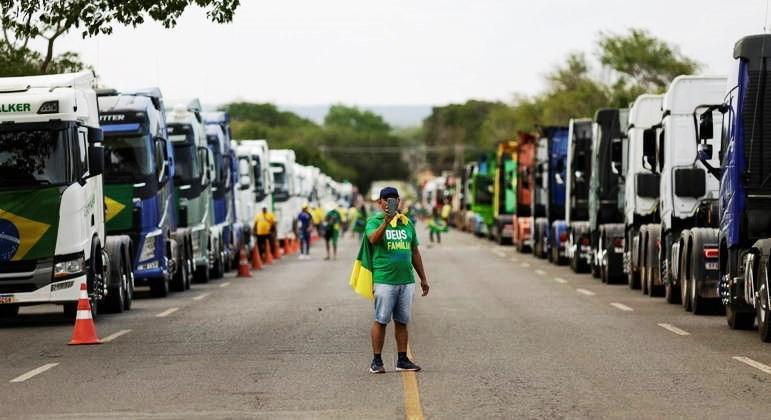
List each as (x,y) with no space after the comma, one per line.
(652,269)
(118,291)
(9,311)
(763,306)
(671,291)
(218,269)
(179,280)
(644,260)
(159,287)
(93,277)
(201,274)
(683,273)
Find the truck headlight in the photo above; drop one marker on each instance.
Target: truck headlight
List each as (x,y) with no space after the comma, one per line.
(148,246)
(69,266)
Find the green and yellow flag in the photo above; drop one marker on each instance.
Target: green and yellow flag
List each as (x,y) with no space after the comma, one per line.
(118,199)
(361,276)
(29,221)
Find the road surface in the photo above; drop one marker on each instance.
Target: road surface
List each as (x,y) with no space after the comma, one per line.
(501,335)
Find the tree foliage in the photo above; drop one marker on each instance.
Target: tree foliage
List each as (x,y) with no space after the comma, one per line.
(24,20)
(352,144)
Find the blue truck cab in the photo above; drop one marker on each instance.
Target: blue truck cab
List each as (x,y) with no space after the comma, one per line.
(745,186)
(223,192)
(139,185)
(557,147)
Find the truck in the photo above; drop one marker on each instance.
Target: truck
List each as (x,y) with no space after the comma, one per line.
(194,170)
(578,250)
(744,238)
(523,218)
(504,191)
(263,177)
(682,248)
(285,201)
(550,229)
(223,196)
(139,189)
(482,196)
(641,206)
(52,208)
(606,190)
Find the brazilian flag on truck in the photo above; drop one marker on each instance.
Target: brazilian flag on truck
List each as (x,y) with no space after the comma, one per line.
(29,222)
(118,200)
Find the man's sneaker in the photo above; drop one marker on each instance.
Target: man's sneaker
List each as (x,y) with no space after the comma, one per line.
(406,365)
(377,367)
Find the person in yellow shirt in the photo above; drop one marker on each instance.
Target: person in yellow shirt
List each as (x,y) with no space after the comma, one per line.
(264,224)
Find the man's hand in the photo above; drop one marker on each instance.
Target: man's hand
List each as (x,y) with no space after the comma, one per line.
(424,286)
(387,218)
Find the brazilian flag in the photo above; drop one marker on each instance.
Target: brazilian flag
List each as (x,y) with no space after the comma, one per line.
(361,276)
(118,201)
(29,223)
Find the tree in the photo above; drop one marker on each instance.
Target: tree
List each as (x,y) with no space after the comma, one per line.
(24,20)
(25,62)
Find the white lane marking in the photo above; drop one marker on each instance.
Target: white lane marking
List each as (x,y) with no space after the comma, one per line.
(560,280)
(201,296)
(499,253)
(585,292)
(753,363)
(34,372)
(540,272)
(671,328)
(167,312)
(113,336)
(226,284)
(621,306)
(525,264)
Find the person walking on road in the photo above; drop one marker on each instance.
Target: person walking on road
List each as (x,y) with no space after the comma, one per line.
(435,227)
(395,254)
(332,232)
(305,224)
(264,224)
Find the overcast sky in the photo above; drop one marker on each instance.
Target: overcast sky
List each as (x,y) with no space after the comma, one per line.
(303,52)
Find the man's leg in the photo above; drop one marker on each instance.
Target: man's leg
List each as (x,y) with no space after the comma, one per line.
(378,337)
(402,313)
(400,333)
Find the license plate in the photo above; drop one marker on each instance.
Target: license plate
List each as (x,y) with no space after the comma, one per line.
(711,265)
(5,299)
(618,250)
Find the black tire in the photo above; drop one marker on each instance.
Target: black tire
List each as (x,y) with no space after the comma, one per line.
(180,280)
(739,320)
(652,269)
(671,291)
(698,303)
(116,299)
(682,276)
(763,306)
(201,274)
(218,269)
(159,287)
(130,290)
(9,311)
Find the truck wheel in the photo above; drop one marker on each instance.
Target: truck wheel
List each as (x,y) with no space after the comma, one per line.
(116,299)
(9,311)
(201,274)
(763,307)
(739,320)
(159,287)
(672,293)
(180,280)
(698,303)
(129,289)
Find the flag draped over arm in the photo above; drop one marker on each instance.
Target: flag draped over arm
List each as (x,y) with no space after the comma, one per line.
(361,276)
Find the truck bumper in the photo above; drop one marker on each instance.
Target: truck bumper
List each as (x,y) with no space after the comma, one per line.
(64,291)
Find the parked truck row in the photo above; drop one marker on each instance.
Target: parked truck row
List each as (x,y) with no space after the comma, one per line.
(119,189)
(671,195)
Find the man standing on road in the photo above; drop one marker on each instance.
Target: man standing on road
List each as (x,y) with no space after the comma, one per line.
(305,220)
(332,232)
(394,255)
(263,227)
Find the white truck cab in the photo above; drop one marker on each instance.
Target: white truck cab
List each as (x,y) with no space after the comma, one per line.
(282,165)
(52,232)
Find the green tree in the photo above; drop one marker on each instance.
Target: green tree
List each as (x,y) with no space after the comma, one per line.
(24,20)
(26,62)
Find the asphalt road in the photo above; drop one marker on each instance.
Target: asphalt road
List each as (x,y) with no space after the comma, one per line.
(501,335)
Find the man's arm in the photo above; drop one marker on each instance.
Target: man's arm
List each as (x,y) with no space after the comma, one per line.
(417,262)
(377,235)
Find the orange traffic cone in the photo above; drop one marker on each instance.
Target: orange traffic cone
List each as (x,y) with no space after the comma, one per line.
(296,247)
(243,265)
(268,256)
(256,260)
(287,246)
(276,251)
(85,330)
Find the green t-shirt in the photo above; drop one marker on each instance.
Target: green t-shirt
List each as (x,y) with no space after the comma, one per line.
(392,256)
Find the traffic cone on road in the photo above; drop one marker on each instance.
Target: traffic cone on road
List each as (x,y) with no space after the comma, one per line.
(287,246)
(268,255)
(256,260)
(85,330)
(243,265)
(276,251)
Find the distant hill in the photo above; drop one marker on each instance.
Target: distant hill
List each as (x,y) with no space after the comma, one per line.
(399,116)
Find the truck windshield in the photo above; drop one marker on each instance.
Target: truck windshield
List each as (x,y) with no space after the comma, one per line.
(219,175)
(483,186)
(186,160)
(281,188)
(257,169)
(128,156)
(34,157)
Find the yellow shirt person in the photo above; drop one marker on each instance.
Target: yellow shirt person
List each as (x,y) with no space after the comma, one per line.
(263,223)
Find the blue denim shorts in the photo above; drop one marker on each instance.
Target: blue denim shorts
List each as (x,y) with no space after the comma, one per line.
(393,300)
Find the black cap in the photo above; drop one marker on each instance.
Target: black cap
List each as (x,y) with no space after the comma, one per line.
(389,192)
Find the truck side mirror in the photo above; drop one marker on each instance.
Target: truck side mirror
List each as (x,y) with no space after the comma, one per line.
(649,149)
(616,153)
(95,160)
(95,135)
(706,125)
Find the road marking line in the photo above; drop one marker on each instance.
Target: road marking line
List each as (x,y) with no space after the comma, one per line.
(167,312)
(226,284)
(560,280)
(753,363)
(540,272)
(115,335)
(34,372)
(673,329)
(412,407)
(201,296)
(621,306)
(499,253)
(525,264)
(586,292)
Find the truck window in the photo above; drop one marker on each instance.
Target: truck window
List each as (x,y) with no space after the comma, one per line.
(128,156)
(35,157)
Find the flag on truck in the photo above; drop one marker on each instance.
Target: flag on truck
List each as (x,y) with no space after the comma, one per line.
(29,222)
